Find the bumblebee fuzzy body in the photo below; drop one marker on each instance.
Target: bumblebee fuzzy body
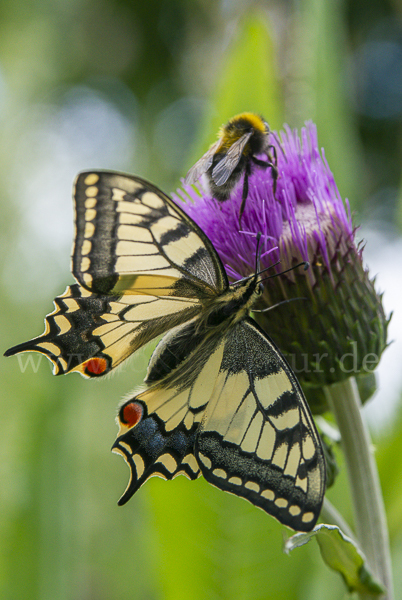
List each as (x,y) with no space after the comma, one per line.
(236,130)
(240,141)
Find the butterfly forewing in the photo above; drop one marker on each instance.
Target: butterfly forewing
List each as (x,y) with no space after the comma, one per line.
(143,268)
(131,238)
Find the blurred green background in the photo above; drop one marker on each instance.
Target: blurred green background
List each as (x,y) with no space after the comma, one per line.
(142,86)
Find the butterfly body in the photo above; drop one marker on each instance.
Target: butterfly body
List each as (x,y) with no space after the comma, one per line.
(240,141)
(219,399)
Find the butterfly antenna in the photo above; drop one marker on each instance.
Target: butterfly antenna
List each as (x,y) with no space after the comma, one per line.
(278,304)
(254,275)
(304,264)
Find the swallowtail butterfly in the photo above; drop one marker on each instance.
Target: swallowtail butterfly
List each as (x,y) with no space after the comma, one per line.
(219,399)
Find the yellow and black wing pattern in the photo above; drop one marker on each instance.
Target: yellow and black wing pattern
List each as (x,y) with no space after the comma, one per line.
(233,412)
(257,438)
(159,425)
(131,238)
(219,398)
(142,266)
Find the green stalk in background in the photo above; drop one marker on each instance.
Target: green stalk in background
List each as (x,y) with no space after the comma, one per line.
(369,513)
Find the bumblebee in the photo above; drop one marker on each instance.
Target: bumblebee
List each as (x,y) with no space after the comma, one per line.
(240,140)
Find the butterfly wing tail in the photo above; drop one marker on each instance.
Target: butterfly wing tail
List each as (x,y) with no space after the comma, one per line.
(29,346)
(150,449)
(67,340)
(34,346)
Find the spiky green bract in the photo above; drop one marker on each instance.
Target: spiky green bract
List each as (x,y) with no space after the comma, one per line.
(338,331)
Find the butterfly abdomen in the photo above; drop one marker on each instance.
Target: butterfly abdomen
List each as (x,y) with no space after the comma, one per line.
(174,348)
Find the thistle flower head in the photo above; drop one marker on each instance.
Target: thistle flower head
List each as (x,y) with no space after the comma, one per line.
(337,328)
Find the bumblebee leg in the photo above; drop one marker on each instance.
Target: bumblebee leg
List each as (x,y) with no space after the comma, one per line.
(274,160)
(265,164)
(245,191)
(274,172)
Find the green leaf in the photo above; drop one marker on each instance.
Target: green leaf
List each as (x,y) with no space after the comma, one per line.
(249,81)
(367,385)
(341,554)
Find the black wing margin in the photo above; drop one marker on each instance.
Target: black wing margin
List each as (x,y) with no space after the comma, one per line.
(93,333)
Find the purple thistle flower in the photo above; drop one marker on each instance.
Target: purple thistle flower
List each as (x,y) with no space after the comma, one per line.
(292,223)
(326,336)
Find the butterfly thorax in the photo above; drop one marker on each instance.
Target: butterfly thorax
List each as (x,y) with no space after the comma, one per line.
(186,348)
(233,305)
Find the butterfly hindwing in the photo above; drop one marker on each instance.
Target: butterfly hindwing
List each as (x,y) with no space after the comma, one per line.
(257,438)
(159,425)
(233,410)
(93,333)
(149,449)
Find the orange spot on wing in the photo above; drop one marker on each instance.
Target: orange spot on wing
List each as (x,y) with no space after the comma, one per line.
(95,366)
(131,414)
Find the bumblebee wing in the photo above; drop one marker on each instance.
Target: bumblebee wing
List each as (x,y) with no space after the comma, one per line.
(133,239)
(258,439)
(225,167)
(202,165)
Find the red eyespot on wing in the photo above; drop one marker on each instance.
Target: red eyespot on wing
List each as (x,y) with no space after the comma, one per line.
(131,414)
(95,366)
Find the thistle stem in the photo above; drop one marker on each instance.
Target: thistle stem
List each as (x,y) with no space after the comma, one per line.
(368,505)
